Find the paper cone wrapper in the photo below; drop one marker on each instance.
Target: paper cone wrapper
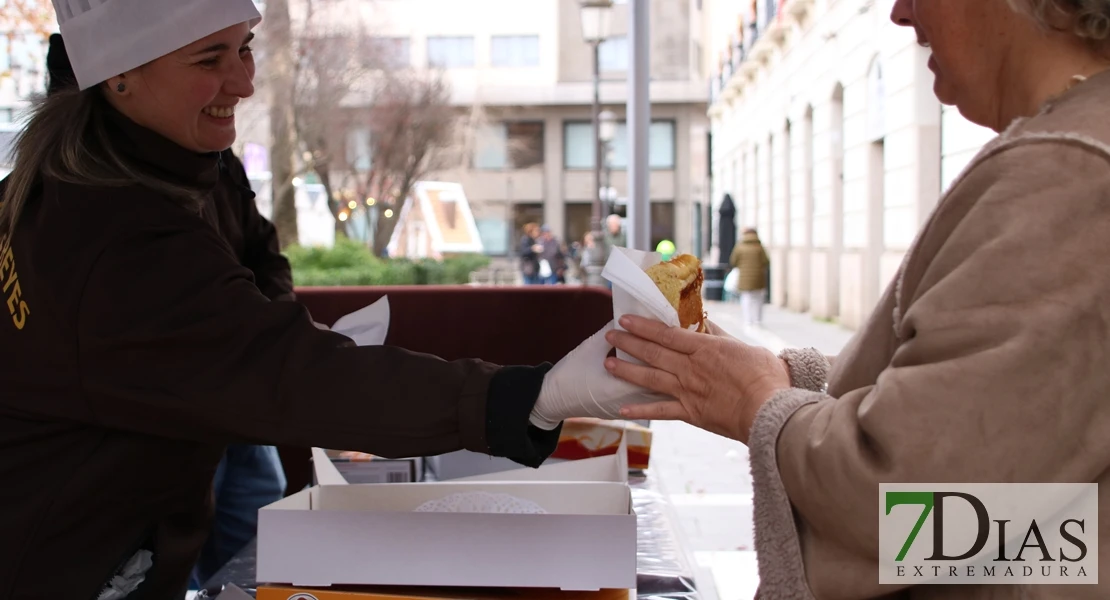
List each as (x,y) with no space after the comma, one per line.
(634,293)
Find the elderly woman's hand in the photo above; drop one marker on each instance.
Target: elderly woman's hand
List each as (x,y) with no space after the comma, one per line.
(719,382)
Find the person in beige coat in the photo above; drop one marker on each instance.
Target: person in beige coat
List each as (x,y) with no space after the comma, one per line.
(750,257)
(988,357)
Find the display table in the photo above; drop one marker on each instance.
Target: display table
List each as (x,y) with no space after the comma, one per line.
(662,570)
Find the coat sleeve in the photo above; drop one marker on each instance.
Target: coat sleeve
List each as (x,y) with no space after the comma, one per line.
(262,252)
(1001,376)
(176,341)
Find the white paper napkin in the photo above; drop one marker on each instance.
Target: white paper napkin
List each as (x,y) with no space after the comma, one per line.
(634,293)
(367,326)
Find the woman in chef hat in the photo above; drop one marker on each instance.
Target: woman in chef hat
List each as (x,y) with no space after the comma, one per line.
(134,344)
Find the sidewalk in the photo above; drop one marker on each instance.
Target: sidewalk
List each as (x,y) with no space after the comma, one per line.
(707,477)
(781,328)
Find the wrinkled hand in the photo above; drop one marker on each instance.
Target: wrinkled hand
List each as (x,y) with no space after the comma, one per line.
(719,382)
(579,386)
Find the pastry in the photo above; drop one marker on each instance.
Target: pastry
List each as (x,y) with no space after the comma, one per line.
(680,281)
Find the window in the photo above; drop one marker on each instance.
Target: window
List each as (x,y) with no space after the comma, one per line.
(386,52)
(492,147)
(451,52)
(613,54)
(515,51)
(495,234)
(661,151)
(359,149)
(662,222)
(516,145)
(526,144)
(578,216)
(319,51)
(578,146)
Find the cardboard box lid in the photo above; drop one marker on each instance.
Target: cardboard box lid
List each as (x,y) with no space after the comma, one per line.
(612,468)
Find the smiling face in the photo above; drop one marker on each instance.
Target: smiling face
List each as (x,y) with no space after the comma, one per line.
(189,96)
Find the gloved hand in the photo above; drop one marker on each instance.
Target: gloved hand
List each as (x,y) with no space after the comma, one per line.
(579,386)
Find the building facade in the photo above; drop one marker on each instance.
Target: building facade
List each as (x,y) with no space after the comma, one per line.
(827,138)
(526,68)
(24,36)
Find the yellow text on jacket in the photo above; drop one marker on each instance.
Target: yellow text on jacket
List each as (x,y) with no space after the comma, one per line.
(13,294)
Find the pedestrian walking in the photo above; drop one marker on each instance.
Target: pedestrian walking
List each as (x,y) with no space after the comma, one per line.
(750,258)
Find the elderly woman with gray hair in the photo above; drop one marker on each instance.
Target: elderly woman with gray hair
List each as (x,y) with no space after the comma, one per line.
(988,358)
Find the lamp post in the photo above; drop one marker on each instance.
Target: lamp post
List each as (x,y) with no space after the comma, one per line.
(596,16)
(607,130)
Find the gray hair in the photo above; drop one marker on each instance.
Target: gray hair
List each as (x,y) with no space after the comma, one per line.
(67,138)
(1087,19)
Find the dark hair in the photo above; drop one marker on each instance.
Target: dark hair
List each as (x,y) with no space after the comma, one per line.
(59,69)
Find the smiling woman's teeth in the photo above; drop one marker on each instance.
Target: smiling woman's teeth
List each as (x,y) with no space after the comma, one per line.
(220,112)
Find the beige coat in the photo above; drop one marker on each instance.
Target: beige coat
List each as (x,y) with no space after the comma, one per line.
(751,258)
(987,360)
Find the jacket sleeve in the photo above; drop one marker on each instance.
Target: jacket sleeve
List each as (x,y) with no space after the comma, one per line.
(176,341)
(262,255)
(1000,376)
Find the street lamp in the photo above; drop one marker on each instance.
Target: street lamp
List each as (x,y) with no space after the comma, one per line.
(607,126)
(607,130)
(596,17)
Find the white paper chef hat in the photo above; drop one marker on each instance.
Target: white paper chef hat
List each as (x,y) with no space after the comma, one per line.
(105,38)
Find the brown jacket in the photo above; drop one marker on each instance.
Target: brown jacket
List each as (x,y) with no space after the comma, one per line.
(751,258)
(986,361)
(135,345)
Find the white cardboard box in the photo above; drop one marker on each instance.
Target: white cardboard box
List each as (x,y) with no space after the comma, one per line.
(339,534)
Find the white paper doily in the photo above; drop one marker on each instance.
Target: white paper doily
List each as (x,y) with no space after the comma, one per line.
(482,502)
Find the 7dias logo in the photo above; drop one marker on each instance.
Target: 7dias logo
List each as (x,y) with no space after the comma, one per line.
(991,533)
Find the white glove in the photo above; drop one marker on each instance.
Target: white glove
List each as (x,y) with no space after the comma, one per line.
(579,386)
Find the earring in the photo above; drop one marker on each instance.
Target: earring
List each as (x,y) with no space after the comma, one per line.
(121,88)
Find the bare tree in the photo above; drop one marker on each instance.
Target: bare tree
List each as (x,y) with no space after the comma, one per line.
(412,127)
(351,86)
(331,63)
(25,20)
(280,66)
(37,15)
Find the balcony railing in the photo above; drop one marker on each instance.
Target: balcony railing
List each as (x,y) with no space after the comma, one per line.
(742,44)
